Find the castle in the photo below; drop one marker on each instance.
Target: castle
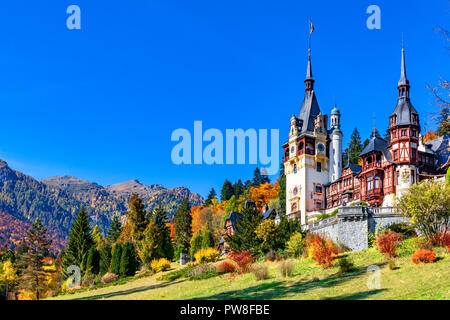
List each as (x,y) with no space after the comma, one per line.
(316,181)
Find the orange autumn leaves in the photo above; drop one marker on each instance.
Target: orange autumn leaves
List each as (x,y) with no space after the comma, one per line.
(263,193)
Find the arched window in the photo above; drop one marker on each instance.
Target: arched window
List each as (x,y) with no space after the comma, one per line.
(300,146)
(294,207)
(295,168)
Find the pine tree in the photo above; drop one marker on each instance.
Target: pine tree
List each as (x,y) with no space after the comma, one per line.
(80,241)
(115,259)
(231,206)
(183,222)
(212,195)
(160,218)
(34,274)
(258,178)
(114,230)
(354,149)
(128,262)
(93,261)
(238,188)
(444,119)
(150,247)
(227,191)
(105,258)
(97,237)
(244,238)
(137,217)
(207,238)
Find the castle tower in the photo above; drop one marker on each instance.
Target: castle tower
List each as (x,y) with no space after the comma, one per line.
(335,145)
(306,161)
(404,129)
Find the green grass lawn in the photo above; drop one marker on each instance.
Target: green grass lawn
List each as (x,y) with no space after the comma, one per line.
(408,281)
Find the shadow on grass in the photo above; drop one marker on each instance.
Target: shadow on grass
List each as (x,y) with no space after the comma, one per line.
(280,289)
(356,296)
(130,291)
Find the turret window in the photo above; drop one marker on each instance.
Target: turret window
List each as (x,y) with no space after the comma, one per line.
(319,167)
(295,168)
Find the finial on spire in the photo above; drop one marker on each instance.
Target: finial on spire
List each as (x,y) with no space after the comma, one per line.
(403,83)
(309,81)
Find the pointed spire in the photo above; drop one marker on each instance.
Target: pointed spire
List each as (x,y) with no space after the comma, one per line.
(309,81)
(403,79)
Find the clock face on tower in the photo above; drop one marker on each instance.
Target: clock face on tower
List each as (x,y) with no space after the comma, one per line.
(321,147)
(292,149)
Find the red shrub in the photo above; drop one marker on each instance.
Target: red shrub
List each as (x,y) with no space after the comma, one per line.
(441,239)
(226,267)
(321,250)
(243,260)
(388,242)
(423,255)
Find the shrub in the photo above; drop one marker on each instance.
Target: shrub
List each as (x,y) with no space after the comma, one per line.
(388,242)
(226,267)
(180,249)
(109,277)
(159,265)
(196,243)
(286,268)
(261,272)
(243,260)
(295,245)
(423,243)
(207,255)
(273,255)
(370,239)
(321,250)
(345,265)
(441,239)
(404,229)
(424,256)
(88,279)
(202,272)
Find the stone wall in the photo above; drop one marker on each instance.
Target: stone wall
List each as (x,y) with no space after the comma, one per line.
(351,225)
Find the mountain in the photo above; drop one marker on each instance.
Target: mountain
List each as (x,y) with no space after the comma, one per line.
(56,201)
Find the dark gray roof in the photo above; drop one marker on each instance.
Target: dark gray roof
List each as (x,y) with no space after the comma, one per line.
(377,143)
(234,218)
(354,167)
(309,111)
(441,148)
(403,111)
(403,79)
(269,213)
(309,75)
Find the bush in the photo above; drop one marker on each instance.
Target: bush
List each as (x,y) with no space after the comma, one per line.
(424,256)
(345,265)
(370,239)
(388,242)
(88,279)
(295,245)
(441,239)
(159,265)
(109,277)
(404,229)
(207,255)
(202,272)
(226,267)
(180,249)
(243,260)
(196,243)
(321,250)
(261,272)
(273,255)
(286,268)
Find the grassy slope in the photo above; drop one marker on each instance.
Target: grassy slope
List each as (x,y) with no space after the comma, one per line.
(409,281)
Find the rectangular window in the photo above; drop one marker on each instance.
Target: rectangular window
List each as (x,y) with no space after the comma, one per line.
(403,133)
(318,189)
(319,167)
(412,176)
(369,183)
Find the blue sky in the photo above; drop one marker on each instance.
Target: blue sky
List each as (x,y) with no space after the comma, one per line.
(101,103)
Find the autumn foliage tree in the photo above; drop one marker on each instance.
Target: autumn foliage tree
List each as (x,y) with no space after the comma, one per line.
(263,193)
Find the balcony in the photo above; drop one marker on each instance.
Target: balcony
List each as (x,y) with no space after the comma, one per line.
(373,165)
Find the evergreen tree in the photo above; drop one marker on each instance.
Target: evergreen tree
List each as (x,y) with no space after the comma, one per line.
(212,195)
(183,222)
(282,192)
(150,247)
(247,185)
(444,119)
(137,218)
(238,188)
(97,237)
(207,238)
(227,191)
(231,206)
(285,229)
(354,149)
(114,230)
(34,274)
(105,258)
(128,262)
(244,238)
(160,218)
(387,136)
(115,259)
(258,178)
(196,243)
(93,261)
(80,241)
